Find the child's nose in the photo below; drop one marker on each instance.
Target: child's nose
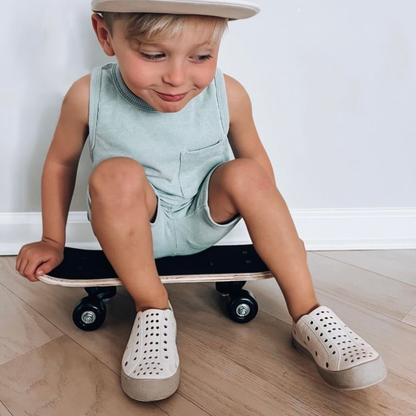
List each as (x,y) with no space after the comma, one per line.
(175,75)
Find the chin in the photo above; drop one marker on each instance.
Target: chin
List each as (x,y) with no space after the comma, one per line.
(170,110)
(171,107)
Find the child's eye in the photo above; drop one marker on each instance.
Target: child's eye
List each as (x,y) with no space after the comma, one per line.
(152,57)
(204,57)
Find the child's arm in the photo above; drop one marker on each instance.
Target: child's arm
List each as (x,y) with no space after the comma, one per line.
(243,137)
(58,182)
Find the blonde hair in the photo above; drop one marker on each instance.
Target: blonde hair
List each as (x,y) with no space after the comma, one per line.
(152,27)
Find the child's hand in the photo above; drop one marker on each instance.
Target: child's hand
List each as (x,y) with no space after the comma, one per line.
(36,259)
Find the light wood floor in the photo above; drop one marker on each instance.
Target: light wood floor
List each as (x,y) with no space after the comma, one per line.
(49,367)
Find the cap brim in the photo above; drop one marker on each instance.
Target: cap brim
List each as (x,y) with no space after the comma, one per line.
(231,9)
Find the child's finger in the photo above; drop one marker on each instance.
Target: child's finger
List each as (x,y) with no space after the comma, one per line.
(44,268)
(30,269)
(22,266)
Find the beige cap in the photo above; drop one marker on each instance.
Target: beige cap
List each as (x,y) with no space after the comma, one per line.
(232,9)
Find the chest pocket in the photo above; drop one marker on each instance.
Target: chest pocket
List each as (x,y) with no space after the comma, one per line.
(196,164)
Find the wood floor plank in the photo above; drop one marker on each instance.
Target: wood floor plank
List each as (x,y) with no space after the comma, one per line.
(224,387)
(61,378)
(263,347)
(410,318)
(56,304)
(396,264)
(4,411)
(250,369)
(361,287)
(22,329)
(107,344)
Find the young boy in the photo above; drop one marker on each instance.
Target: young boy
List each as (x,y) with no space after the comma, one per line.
(159,123)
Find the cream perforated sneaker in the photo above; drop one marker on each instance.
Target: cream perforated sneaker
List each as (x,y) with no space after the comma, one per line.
(343,359)
(150,366)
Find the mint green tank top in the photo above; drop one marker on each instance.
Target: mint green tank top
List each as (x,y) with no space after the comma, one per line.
(176,150)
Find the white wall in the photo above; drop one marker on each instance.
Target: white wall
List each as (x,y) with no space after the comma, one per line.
(333,87)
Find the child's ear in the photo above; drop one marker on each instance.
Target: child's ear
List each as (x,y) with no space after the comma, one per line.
(103,34)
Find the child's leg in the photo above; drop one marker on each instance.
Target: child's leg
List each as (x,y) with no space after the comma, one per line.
(123,204)
(242,186)
(342,358)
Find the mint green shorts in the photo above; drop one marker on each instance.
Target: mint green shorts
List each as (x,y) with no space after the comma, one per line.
(188,229)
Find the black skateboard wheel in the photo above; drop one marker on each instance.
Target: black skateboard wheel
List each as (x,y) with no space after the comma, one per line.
(242,306)
(89,313)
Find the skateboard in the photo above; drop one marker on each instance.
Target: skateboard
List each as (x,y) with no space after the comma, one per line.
(229,266)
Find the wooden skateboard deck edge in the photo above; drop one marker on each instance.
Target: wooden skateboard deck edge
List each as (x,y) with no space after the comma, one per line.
(165,279)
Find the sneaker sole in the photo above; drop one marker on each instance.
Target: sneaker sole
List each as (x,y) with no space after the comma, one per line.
(356,378)
(150,390)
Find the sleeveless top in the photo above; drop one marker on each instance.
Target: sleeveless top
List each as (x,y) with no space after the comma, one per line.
(176,150)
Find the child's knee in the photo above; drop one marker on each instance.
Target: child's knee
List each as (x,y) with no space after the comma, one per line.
(243,175)
(117,176)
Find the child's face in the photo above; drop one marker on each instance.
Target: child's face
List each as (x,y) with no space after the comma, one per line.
(175,66)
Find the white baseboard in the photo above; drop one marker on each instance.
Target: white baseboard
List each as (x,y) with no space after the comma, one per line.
(320,229)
